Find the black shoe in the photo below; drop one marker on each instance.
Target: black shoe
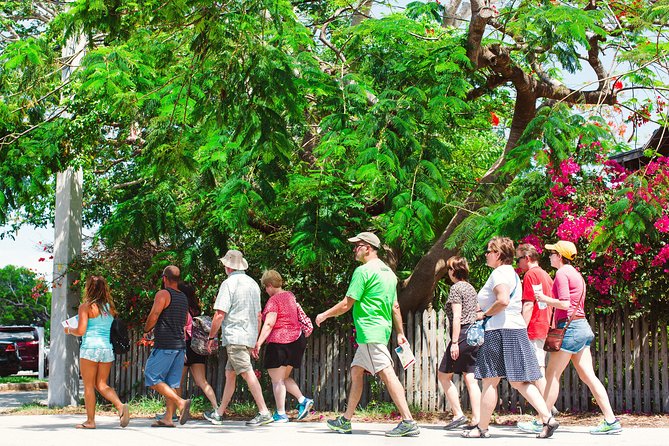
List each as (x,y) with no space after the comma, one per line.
(456,423)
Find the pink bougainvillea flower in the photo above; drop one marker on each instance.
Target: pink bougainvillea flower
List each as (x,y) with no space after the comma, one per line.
(662,257)
(628,267)
(662,224)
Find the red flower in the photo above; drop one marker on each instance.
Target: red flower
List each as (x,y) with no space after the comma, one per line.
(494,119)
(618,85)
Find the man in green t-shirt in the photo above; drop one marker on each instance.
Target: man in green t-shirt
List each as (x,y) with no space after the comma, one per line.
(373,296)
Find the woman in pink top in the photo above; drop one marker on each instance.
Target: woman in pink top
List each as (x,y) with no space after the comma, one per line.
(569,292)
(285,345)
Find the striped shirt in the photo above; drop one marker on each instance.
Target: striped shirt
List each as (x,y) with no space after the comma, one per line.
(169,330)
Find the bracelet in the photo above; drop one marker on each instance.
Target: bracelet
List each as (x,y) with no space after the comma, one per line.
(211,339)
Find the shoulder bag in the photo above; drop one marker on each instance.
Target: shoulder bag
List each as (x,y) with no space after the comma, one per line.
(305,322)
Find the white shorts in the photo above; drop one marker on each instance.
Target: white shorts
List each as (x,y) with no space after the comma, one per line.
(372,357)
(538,345)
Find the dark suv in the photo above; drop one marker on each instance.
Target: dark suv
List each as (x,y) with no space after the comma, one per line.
(27,340)
(10,363)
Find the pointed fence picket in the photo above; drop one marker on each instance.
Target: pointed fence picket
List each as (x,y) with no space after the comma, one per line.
(631,359)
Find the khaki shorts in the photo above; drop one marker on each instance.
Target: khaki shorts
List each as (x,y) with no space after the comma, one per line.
(372,357)
(538,345)
(239,359)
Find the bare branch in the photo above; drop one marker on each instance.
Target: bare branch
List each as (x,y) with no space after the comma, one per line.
(322,37)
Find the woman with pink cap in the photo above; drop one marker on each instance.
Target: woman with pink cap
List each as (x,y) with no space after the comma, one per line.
(569,302)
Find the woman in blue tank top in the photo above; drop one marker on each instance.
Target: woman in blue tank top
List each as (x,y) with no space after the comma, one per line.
(96,354)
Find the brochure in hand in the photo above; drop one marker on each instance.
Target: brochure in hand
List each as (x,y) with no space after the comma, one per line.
(405,354)
(72,322)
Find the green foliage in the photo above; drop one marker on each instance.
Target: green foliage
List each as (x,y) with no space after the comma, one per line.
(25,298)
(562,28)
(278,128)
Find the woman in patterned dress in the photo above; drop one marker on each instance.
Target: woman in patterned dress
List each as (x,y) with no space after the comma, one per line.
(460,357)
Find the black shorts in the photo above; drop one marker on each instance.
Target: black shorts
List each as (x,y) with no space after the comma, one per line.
(279,355)
(192,357)
(466,362)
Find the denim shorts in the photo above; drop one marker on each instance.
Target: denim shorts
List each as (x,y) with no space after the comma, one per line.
(164,366)
(97,354)
(578,336)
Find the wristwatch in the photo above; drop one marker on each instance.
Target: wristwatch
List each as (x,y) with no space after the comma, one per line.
(211,339)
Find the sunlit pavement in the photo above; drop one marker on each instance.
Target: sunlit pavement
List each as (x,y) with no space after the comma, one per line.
(45,430)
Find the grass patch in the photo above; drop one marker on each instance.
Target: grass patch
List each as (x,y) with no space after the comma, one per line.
(242,409)
(20,379)
(140,407)
(378,410)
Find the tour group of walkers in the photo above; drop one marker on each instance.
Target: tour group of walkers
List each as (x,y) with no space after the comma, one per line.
(517,317)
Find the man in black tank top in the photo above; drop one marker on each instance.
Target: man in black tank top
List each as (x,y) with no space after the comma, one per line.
(163,368)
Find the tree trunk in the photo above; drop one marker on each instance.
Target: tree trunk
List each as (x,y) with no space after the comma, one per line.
(417,291)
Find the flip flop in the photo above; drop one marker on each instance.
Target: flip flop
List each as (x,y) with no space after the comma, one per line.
(125,416)
(185,413)
(160,423)
(83,426)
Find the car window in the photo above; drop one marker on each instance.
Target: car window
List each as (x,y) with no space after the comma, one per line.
(18,336)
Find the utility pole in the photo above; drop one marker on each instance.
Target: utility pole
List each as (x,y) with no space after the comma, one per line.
(64,351)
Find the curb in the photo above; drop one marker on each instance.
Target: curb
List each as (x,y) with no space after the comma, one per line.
(6,387)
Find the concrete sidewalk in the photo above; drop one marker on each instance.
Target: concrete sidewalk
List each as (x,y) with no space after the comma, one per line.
(58,430)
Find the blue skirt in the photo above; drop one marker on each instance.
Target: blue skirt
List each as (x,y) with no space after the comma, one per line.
(507,353)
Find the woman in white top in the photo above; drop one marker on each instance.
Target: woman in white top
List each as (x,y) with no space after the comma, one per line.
(506,351)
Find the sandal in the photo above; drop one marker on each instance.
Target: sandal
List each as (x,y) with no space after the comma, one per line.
(475,432)
(124,417)
(549,428)
(185,413)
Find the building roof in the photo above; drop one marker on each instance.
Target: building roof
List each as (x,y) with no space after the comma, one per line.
(635,159)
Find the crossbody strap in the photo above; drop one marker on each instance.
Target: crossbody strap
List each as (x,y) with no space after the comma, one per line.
(573,312)
(487,318)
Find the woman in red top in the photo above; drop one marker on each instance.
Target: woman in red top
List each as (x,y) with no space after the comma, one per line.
(285,345)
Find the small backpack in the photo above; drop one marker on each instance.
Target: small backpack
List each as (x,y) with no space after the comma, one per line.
(200,336)
(119,337)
